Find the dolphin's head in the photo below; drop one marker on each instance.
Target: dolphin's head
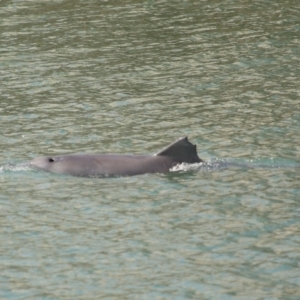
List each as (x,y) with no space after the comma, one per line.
(47,163)
(75,165)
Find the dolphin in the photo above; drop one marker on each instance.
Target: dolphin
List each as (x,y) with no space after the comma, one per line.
(104,165)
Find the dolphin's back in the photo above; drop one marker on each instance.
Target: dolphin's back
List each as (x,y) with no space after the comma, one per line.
(104,164)
(114,164)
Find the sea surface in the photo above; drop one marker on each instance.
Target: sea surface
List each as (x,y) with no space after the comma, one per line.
(131,77)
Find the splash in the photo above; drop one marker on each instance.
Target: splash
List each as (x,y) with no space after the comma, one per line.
(211,165)
(185,167)
(218,164)
(15,167)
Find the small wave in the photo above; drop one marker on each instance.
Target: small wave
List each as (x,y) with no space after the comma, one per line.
(15,167)
(184,167)
(203,166)
(217,164)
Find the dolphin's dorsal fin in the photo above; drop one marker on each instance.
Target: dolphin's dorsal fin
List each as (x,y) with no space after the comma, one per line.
(181,151)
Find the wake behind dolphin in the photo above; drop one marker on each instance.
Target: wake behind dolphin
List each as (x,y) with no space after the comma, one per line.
(99,165)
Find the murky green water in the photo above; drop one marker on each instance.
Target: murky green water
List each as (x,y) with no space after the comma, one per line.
(131,77)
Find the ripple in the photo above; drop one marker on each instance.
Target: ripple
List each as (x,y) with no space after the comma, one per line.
(131,78)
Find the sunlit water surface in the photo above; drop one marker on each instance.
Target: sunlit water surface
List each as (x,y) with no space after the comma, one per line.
(132,77)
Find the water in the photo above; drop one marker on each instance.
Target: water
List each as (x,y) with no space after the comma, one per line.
(132,77)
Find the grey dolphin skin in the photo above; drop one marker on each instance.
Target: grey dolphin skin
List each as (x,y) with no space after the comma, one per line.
(100,165)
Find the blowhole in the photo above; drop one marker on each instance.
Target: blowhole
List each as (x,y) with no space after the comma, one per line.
(51,159)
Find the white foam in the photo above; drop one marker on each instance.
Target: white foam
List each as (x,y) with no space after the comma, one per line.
(184,167)
(17,167)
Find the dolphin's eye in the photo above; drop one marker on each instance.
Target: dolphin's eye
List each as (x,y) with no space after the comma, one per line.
(51,159)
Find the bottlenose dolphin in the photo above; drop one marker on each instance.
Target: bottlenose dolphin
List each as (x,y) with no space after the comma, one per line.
(100,165)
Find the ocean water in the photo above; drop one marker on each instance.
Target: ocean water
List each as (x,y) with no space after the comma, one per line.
(132,77)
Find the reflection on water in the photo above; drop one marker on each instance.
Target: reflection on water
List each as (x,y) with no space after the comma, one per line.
(131,77)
